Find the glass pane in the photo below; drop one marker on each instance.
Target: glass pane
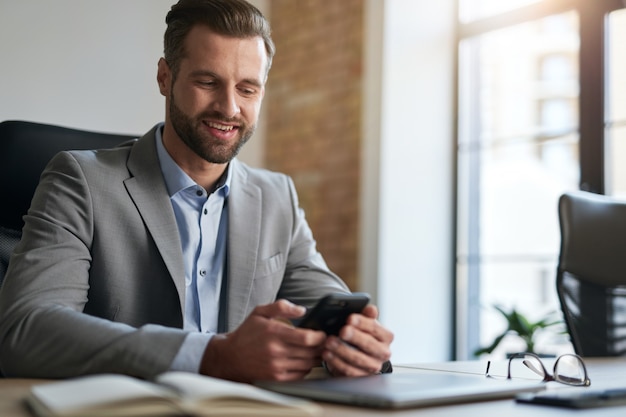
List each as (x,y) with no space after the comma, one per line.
(518,152)
(476,9)
(616,100)
(617,161)
(617,66)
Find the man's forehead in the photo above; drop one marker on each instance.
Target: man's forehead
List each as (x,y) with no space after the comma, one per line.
(203,44)
(201,36)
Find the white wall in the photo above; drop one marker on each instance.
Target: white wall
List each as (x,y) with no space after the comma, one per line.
(87,64)
(409,264)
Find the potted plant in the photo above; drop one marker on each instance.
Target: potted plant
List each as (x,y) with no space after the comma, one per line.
(521,326)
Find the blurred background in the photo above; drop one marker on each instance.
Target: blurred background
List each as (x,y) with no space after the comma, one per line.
(429,141)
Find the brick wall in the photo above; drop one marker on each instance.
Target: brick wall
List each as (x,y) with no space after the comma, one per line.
(313,105)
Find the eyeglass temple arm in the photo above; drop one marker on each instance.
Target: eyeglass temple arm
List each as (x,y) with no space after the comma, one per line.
(533,368)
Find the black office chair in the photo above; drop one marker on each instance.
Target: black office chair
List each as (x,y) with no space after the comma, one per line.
(591,275)
(25,149)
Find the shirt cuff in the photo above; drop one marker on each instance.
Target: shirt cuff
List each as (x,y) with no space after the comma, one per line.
(189,356)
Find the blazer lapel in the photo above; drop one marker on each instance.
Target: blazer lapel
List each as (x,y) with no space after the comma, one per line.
(244,229)
(147,189)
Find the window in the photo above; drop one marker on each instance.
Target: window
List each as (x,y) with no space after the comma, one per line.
(616,104)
(529,129)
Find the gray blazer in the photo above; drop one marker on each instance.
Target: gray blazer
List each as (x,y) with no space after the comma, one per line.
(97,282)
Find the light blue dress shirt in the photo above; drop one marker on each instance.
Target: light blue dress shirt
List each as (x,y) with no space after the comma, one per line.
(202,219)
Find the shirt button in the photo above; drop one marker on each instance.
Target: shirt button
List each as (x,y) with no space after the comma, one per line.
(199,193)
(203,272)
(206,211)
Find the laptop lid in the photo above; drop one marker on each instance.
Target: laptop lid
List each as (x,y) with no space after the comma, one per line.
(403,390)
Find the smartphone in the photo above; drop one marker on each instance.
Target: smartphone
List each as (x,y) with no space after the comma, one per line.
(331,312)
(576,398)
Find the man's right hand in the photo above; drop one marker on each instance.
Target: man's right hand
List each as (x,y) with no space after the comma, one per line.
(265,347)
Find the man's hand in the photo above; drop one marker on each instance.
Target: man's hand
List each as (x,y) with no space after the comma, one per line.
(265,346)
(362,346)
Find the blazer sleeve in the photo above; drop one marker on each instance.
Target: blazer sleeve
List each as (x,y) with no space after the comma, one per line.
(44,331)
(307,276)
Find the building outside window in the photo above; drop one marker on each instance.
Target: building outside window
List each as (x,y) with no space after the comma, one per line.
(526,134)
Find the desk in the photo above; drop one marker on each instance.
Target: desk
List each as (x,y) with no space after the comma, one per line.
(604,373)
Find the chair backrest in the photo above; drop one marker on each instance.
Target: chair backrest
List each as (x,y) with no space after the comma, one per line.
(25,150)
(591,275)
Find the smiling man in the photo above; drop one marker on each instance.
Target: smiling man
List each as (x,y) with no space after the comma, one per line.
(213,100)
(168,253)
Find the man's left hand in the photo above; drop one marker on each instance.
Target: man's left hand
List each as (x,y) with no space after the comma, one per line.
(361,348)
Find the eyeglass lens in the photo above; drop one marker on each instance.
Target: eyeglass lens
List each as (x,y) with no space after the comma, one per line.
(568,369)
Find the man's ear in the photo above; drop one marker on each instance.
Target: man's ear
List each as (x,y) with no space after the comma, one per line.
(164,77)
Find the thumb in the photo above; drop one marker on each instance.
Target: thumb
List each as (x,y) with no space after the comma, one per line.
(280,309)
(370,311)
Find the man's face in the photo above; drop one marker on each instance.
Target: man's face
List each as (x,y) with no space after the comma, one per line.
(214,102)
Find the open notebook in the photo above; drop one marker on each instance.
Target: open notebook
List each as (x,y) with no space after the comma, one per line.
(403,390)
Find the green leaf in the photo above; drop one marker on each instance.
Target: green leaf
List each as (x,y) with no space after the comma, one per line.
(491,347)
(518,323)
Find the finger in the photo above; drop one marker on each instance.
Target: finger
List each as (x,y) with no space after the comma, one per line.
(365,342)
(287,368)
(281,309)
(280,350)
(314,354)
(337,367)
(355,356)
(298,337)
(370,311)
(348,360)
(370,326)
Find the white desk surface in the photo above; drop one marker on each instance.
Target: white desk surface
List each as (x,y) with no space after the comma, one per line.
(603,372)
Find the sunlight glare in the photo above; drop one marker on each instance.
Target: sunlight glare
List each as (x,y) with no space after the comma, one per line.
(476,9)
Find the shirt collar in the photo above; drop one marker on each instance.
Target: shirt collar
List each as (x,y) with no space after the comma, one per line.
(176,179)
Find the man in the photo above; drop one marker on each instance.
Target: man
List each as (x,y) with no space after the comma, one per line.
(168,253)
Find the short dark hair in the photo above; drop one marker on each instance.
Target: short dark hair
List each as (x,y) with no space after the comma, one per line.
(236,18)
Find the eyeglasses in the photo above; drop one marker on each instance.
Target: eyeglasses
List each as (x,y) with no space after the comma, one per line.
(568,369)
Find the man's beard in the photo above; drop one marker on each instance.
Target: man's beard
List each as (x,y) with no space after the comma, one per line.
(194,134)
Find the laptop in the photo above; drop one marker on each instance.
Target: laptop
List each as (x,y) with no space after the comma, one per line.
(405,390)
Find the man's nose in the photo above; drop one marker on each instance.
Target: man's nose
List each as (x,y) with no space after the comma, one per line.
(227,103)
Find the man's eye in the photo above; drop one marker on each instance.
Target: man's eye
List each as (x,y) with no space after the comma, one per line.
(248,91)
